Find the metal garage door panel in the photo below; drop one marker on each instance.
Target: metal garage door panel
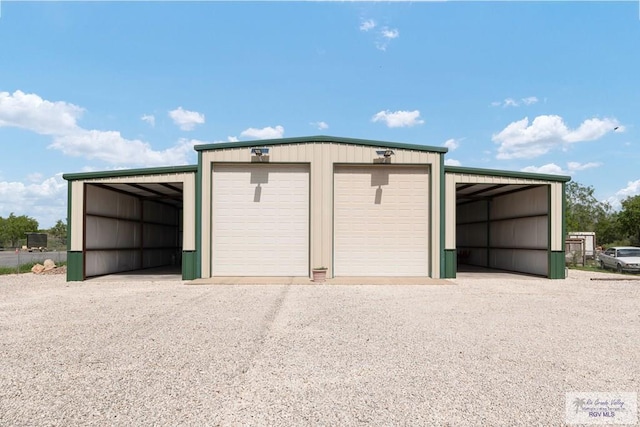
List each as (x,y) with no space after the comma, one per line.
(260,220)
(381,221)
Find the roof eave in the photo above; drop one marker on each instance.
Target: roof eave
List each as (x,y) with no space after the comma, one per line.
(319,138)
(505,173)
(130,172)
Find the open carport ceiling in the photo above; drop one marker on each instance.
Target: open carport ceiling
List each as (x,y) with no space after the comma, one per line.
(470,192)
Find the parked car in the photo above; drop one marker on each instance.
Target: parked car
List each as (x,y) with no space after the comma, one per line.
(621,258)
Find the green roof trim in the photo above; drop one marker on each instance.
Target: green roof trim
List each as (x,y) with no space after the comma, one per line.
(130,172)
(319,138)
(507,174)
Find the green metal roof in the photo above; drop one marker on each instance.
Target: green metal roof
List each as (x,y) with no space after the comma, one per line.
(130,172)
(507,174)
(319,138)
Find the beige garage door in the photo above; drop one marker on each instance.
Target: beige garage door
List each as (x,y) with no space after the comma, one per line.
(260,220)
(381,221)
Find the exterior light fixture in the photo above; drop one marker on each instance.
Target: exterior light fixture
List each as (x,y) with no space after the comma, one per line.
(263,151)
(385,153)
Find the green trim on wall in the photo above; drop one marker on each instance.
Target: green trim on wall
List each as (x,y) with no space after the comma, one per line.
(69,216)
(320,138)
(198,251)
(507,174)
(549,230)
(189,265)
(488,251)
(130,172)
(564,214)
(556,265)
(450,264)
(443,228)
(430,236)
(562,254)
(75,263)
(209,261)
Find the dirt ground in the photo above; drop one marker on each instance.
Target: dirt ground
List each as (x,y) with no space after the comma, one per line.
(479,350)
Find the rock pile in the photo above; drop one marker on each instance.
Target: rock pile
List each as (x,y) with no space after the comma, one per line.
(39,268)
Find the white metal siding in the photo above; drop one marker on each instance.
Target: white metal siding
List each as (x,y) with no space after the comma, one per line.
(381,221)
(260,220)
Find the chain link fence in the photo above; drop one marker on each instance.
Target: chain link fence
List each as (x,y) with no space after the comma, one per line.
(21,261)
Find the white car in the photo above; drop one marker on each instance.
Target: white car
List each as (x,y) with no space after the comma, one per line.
(621,258)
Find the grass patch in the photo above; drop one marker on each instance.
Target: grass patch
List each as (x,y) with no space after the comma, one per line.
(24,268)
(594,267)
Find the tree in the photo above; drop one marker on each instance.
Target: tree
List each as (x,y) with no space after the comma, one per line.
(13,228)
(583,210)
(608,230)
(629,218)
(59,231)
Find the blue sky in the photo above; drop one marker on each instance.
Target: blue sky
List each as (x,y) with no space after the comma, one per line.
(546,87)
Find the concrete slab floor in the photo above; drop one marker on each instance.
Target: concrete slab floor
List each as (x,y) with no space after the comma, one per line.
(420,281)
(163,273)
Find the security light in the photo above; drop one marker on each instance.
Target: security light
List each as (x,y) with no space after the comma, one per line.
(385,153)
(263,151)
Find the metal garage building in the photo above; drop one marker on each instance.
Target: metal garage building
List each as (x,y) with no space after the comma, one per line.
(282,207)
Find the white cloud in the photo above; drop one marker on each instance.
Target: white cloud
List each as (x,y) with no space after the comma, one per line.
(389,33)
(220,141)
(149,118)
(550,168)
(264,133)
(451,144)
(45,200)
(575,166)
(185,119)
(451,162)
(320,125)
(382,37)
(385,36)
(632,189)
(398,118)
(521,140)
(59,120)
(367,25)
(592,129)
(111,147)
(31,112)
(510,102)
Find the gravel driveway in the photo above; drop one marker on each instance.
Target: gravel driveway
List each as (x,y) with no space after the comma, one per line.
(476,352)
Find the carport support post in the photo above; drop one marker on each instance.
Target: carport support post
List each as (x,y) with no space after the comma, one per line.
(557,260)
(488,260)
(75,259)
(195,260)
(449,257)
